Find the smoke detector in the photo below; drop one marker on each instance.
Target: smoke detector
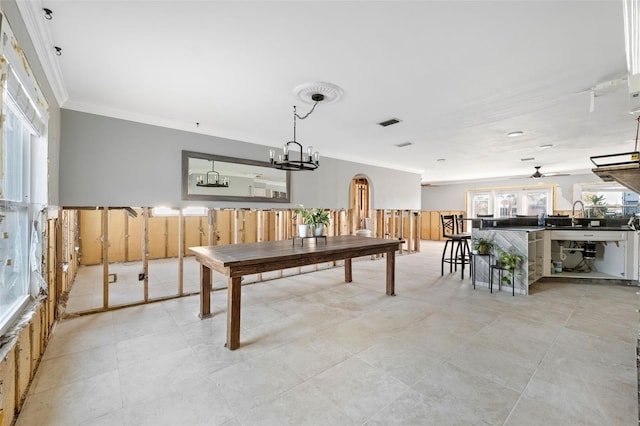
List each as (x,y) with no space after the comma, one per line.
(308,92)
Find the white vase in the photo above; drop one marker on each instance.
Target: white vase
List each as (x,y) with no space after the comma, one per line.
(303,230)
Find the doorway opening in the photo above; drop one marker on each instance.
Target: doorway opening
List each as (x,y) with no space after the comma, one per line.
(360,204)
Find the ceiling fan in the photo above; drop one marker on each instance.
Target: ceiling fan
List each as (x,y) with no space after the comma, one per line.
(538,174)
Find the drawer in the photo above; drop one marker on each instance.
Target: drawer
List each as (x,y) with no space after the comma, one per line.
(587,235)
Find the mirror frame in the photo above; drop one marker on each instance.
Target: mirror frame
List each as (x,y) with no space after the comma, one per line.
(186,155)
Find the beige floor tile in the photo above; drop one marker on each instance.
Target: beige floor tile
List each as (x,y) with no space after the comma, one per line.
(401,359)
(583,400)
(464,397)
(74,403)
(302,405)
(255,382)
(358,388)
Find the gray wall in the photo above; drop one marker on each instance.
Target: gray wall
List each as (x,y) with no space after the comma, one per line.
(451,196)
(12,14)
(113,162)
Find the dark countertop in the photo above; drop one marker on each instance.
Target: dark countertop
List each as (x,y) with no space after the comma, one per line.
(589,228)
(557,228)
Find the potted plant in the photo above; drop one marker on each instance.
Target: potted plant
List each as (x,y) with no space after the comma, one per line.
(482,245)
(509,262)
(304,220)
(318,219)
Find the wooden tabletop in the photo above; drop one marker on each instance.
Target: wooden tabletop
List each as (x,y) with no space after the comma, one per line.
(247,258)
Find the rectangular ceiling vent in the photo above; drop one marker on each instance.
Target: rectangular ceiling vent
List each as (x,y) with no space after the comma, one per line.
(403,144)
(389,122)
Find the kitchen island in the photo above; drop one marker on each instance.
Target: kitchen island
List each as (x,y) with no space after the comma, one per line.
(608,252)
(528,242)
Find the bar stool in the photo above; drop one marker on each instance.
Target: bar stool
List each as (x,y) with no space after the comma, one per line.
(459,242)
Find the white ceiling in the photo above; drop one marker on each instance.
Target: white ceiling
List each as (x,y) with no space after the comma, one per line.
(460,76)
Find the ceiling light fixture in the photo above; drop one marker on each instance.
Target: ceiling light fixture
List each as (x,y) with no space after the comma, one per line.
(212,179)
(546,146)
(58,50)
(631,13)
(403,144)
(294,159)
(48,14)
(515,134)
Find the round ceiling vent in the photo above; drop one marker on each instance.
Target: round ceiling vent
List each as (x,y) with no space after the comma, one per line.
(306,92)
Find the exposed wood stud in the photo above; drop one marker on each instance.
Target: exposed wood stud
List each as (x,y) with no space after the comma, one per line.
(105,256)
(145,251)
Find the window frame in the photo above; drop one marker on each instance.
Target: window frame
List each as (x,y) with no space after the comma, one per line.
(521,192)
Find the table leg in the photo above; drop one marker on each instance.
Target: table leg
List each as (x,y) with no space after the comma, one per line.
(233,312)
(347,271)
(205,292)
(391,273)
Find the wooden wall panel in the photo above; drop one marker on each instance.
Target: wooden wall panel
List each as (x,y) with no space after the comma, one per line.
(270,225)
(193,232)
(250,227)
(172,236)
(425,225)
(90,235)
(436,228)
(117,236)
(134,237)
(23,362)
(36,339)
(8,387)
(223,226)
(157,237)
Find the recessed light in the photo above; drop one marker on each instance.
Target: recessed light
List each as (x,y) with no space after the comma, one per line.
(527,159)
(441,159)
(546,146)
(515,134)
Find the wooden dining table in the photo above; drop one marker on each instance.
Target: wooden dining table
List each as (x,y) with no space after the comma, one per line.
(237,260)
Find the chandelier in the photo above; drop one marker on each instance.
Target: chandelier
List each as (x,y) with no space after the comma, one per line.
(293,157)
(213,179)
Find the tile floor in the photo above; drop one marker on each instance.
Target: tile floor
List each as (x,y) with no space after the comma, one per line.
(317,351)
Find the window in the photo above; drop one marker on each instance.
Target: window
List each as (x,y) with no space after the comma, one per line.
(608,199)
(481,204)
(23,178)
(14,211)
(509,202)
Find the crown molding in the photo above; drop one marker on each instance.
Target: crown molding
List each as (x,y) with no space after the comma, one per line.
(36,25)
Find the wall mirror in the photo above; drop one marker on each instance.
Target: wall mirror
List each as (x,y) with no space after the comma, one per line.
(211,177)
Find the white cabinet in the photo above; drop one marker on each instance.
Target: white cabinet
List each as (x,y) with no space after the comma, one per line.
(535,256)
(613,253)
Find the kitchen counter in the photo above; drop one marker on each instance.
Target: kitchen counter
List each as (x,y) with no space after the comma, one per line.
(615,255)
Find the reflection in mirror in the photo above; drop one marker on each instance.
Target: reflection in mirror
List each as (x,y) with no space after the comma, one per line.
(218,178)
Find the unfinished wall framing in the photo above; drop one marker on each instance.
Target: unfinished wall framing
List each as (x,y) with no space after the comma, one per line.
(21,349)
(139,235)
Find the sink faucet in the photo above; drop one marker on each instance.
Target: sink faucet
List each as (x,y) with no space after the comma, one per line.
(573,211)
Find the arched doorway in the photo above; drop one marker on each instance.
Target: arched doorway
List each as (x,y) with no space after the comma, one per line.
(360,203)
